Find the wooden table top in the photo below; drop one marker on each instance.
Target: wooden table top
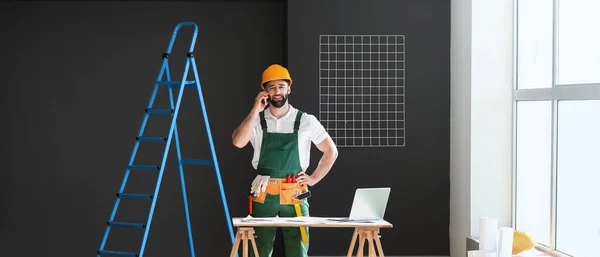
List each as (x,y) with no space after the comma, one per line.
(340,222)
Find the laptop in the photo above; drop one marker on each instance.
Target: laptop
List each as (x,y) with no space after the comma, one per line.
(369,204)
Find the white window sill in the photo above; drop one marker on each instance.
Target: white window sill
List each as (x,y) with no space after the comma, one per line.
(538,251)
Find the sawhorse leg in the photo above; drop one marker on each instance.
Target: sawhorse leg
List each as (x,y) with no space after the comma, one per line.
(244,233)
(366,234)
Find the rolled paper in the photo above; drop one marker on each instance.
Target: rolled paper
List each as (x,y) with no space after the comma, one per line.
(505,241)
(481,253)
(488,234)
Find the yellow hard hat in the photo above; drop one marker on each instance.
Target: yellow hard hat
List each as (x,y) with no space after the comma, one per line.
(275,72)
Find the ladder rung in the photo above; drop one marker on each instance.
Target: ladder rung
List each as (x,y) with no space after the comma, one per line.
(114,253)
(176,84)
(152,139)
(197,162)
(126,224)
(144,167)
(130,195)
(160,111)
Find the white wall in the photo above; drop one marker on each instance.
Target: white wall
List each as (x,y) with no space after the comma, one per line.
(460,125)
(481,116)
(491,112)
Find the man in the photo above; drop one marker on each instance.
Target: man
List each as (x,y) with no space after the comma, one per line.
(281,137)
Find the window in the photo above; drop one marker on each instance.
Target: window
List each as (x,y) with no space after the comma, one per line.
(578,174)
(534,44)
(557,124)
(578,58)
(533,163)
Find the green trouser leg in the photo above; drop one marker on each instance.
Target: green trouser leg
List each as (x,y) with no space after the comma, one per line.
(265,236)
(291,235)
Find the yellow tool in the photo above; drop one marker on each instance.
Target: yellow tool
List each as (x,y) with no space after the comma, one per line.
(302,229)
(302,196)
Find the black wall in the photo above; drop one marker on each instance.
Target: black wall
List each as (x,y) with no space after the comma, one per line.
(77,76)
(417,173)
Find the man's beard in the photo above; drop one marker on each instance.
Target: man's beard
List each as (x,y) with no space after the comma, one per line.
(280,103)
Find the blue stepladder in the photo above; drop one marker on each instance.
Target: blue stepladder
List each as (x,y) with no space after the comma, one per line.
(160,168)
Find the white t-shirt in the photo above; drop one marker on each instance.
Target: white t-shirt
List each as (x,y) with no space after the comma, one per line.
(310,130)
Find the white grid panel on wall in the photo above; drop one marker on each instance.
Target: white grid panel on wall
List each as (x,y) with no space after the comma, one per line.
(362,89)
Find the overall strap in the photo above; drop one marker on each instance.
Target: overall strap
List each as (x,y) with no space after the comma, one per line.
(297,122)
(263,122)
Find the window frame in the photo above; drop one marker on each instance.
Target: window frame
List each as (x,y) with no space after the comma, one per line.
(557,92)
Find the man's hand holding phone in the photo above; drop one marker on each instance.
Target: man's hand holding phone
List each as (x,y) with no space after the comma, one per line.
(261,101)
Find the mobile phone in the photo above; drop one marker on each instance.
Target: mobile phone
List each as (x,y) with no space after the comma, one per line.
(268,102)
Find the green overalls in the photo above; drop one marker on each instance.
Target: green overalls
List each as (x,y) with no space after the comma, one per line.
(278,158)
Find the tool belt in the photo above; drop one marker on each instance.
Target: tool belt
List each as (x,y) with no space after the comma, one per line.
(286,191)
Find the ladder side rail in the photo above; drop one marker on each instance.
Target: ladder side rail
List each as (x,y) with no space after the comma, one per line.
(164,160)
(212,149)
(181,175)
